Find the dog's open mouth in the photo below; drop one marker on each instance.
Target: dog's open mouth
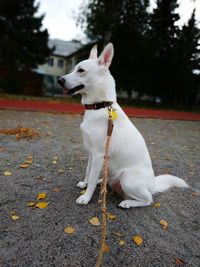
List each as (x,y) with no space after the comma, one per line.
(71,91)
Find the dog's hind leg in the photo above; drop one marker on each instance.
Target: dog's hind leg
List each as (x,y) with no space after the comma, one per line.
(136,192)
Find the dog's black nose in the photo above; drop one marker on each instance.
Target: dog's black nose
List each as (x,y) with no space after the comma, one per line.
(61,81)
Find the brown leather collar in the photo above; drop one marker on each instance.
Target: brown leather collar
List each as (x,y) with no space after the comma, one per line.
(96,106)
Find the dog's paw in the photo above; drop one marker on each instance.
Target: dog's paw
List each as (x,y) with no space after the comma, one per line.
(84,199)
(125,204)
(82,185)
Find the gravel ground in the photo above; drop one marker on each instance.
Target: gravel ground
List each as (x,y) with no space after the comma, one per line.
(37,238)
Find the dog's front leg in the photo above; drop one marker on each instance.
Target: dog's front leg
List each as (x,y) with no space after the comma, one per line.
(83,184)
(96,167)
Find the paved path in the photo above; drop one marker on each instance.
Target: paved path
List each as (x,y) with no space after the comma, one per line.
(72,108)
(37,238)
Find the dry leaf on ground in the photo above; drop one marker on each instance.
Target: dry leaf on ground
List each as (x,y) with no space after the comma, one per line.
(164,224)
(157,205)
(56,189)
(30,204)
(14,216)
(42,205)
(7,173)
(42,195)
(138,240)
(194,194)
(83,192)
(40,178)
(121,242)
(55,162)
(28,161)
(21,132)
(94,221)
(106,248)
(179,261)
(111,216)
(23,165)
(69,230)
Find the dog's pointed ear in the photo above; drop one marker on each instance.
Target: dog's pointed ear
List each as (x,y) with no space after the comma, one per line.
(93,52)
(107,55)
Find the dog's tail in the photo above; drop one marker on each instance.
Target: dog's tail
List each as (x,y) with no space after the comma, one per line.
(164,182)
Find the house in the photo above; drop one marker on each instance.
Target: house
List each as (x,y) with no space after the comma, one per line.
(65,56)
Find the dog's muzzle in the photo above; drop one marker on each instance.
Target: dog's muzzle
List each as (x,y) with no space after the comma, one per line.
(61,81)
(69,91)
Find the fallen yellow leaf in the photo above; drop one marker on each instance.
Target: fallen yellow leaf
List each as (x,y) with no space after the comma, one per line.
(14,217)
(69,230)
(54,161)
(29,157)
(60,170)
(41,196)
(106,248)
(164,224)
(157,205)
(112,217)
(121,242)
(24,165)
(138,240)
(94,221)
(30,204)
(42,205)
(83,192)
(28,161)
(7,173)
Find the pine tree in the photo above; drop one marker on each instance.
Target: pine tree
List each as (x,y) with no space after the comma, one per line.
(124,22)
(188,63)
(154,55)
(23,44)
(162,41)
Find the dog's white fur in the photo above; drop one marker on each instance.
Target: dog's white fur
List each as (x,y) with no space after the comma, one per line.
(130,168)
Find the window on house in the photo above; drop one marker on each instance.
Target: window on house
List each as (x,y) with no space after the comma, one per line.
(60,63)
(50,61)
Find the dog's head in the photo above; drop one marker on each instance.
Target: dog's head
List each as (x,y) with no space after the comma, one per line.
(89,74)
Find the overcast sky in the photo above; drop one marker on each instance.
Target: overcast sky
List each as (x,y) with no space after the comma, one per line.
(60,22)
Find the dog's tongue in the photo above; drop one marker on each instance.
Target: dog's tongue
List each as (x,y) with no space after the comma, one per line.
(67,91)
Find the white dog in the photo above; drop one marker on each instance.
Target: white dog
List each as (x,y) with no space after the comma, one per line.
(130,168)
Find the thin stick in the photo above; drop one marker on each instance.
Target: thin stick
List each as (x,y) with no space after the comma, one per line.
(103,192)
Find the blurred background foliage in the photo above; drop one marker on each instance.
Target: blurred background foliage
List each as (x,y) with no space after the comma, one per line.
(153,55)
(23,45)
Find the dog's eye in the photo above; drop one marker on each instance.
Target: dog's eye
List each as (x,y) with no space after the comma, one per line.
(80,70)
